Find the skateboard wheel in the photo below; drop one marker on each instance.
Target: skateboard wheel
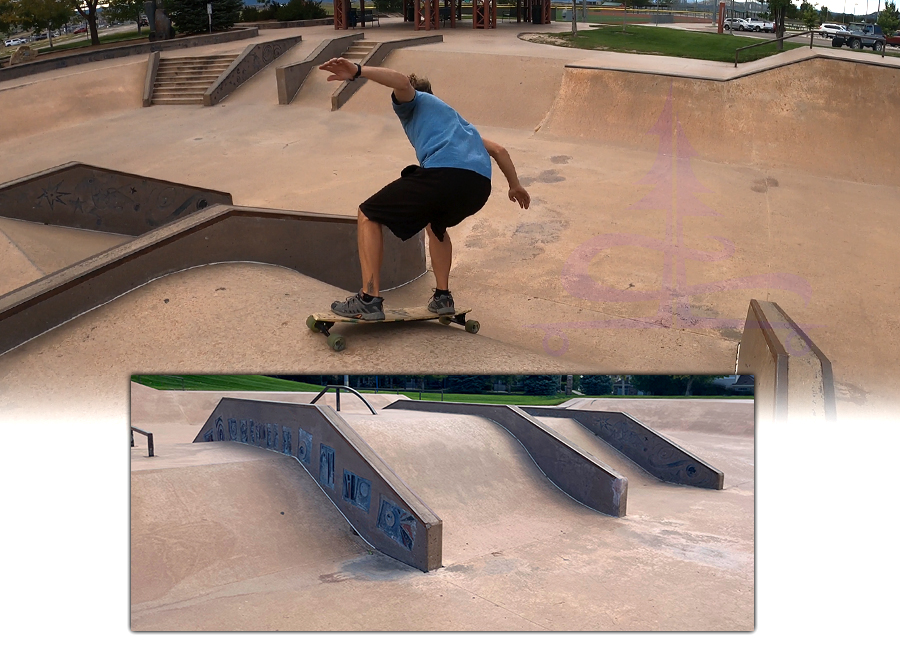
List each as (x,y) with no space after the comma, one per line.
(312,324)
(336,342)
(472,326)
(446,321)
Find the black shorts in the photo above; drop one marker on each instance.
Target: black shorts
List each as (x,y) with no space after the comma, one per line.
(440,197)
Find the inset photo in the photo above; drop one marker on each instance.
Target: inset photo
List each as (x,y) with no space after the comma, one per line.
(442,503)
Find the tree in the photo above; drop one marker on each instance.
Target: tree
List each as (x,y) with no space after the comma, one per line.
(40,15)
(393,6)
(473,385)
(88,11)
(824,14)
(779,9)
(301,10)
(808,15)
(541,385)
(889,18)
(190,17)
(124,10)
(596,384)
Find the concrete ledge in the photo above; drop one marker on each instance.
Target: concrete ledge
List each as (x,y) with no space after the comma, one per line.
(65,61)
(378,54)
(794,379)
(290,78)
(575,472)
(83,196)
(150,79)
(718,71)
(253,59)
(654,452)
(374,500)
(309,243)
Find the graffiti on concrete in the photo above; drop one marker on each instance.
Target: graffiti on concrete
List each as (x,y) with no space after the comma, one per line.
(304,445)
(397,524)
(357,490)
(326,466)
(244,434)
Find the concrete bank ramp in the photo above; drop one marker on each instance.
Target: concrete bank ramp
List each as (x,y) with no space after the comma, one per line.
(29,251)
(476,477)
(235,521)
(782,117)
(487,89)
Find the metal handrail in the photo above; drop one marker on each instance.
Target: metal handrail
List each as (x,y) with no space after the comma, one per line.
(793,36)
(149,439)
(337,396)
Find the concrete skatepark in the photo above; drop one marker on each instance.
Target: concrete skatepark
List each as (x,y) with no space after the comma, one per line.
(787,197)
(518,553)
(757,214)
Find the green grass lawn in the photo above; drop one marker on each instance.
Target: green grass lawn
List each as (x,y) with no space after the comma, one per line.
(248,383)
(665,41)
(85,42)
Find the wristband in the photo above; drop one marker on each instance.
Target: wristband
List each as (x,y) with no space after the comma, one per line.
(358,72)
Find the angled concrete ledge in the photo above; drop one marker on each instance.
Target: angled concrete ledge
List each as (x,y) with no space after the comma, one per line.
(89,197)
(794,379)
(375,58)
(575,472)
(654,452)
(309,243)
(150,79)
(371,497)
(66,61)
(290,78)
(252,60)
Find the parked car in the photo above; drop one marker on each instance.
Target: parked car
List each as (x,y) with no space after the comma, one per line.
(732,23)
(761,25)
(144,22)
(861,36)
(10,43)
(80,30)
(831,29)
(893,40)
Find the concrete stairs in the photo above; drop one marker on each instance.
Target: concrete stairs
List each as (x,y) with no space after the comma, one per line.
(184,80)
(359,50)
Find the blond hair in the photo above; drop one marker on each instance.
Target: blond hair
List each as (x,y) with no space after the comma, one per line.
(420,84)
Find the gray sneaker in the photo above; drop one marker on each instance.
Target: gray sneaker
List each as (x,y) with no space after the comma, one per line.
(356,306)
(442,305)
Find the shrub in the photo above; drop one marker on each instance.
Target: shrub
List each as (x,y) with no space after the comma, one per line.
(301,10)
(595,384)
(190,17)
(542,385)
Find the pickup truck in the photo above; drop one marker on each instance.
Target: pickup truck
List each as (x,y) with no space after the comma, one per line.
(893,40)
(861,36)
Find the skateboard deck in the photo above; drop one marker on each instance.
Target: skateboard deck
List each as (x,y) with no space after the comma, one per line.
(322,322)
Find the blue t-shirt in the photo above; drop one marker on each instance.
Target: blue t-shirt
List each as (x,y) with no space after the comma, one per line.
(440,136)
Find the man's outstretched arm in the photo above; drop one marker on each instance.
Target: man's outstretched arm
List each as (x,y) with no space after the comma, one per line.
(342,69)
(516,192)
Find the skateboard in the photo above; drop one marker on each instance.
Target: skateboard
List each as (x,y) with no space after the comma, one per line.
(322,322)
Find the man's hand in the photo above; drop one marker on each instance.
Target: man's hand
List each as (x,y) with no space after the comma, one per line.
(341,69)
(520,195)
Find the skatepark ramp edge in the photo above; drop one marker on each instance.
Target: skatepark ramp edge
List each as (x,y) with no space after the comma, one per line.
(794,379)
(382,509)
(572,470)
(650,450)
(308,243)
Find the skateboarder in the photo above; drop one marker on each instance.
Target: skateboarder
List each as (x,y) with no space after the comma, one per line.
(451,182)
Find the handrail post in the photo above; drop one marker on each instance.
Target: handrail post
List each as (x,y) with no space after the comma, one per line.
(337,398)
